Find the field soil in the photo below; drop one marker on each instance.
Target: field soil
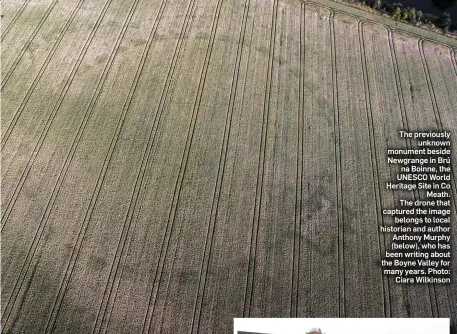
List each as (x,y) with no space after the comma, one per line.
(170,165)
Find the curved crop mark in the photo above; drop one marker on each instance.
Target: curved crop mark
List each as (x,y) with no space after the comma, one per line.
(27,44)
(43,221)
(261,169)
(14,19)
(380,25)
(24,102)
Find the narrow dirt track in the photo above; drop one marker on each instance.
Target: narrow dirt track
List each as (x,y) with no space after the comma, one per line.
(170,165)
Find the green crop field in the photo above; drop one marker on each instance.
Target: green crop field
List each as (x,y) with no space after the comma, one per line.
(169,165)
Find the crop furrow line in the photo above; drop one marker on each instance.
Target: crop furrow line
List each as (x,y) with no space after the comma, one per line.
(406,125)
(220,176)
(294,297)
(44,66)
(27,44)
(22,107)
(430,287)
(374,22)
(420,45)
(43,221)
(454,65)
(75,252)
(22,301)
(14,19)
(399,89)
(141,185)
(388,308)
(431,90)
(338,175)
(307,311)
(434,103)
(108,298)
(261,168)
(453,59)
(50,119)
(106,308)
(178,186)
(433,99)
(415,35)
(374,161)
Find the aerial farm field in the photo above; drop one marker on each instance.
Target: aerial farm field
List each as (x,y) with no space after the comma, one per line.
(169,165)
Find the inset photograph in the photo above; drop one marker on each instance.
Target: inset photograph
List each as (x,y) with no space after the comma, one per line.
(341,326)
